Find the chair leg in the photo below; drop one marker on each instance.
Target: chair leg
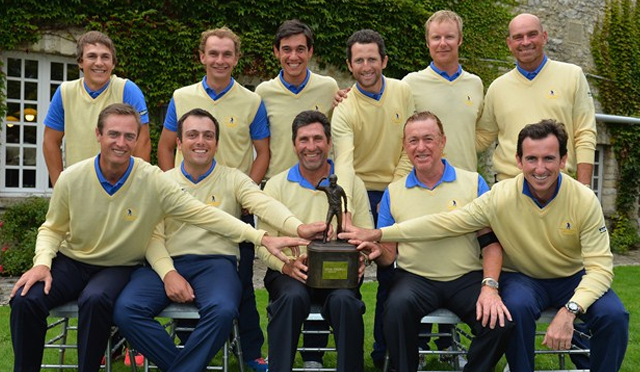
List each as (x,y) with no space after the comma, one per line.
(236,341)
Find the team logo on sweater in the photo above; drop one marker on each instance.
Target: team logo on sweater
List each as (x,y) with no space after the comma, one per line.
(468,101)
(453,204)
(397,118)
(316,106)
(213,201)
(130,214)
(231,121)
(567,228)
(552,94)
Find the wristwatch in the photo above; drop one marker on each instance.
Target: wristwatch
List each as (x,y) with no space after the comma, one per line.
(573,308)
(491,283)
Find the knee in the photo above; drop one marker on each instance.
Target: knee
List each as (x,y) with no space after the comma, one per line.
(29,304)
(224,311)
(297,299)
(614,318)
(398,305)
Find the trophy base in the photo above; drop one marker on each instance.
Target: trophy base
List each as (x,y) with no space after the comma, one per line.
(332,265)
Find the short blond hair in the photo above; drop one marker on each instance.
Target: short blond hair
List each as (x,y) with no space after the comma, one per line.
(441,16)
(221,32)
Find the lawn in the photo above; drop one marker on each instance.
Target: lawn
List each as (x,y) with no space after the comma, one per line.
(625,284)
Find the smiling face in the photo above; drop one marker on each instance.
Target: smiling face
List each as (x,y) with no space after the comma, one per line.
(198,144)
(294,55)
(541,164)
(526,41)
(443,41)
(312,147)
(117,140)
(424,144)
(97,65)
(219,58)
(366,65)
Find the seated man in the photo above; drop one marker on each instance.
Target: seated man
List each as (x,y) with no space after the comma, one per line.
(560,259)
(185,260)
(446,273)
(100,221)
(290,297)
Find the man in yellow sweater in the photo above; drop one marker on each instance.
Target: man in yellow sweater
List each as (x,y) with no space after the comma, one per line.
(556,251)
(290,297)
(444,273)
(295,89)
(185,259)
(447,90)
(75,106)
(100,220)
(537,88)
(367,135)
(244,128)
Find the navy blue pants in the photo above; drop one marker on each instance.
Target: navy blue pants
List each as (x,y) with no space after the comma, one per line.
(95,287)
(412,296)
(216,285)
(527,297)
(249,322)
(289,307)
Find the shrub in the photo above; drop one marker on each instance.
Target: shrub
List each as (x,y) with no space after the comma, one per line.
(18,231)
(624,234)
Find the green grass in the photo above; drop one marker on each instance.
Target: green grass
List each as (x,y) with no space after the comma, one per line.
(625,285)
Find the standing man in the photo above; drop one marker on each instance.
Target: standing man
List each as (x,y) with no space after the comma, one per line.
(290,297)
(560,259)
(537,88)
(446,273)
(295,89)
(367,133)
(245,128)
(448,91)
(185,259)
(88,254)
(75,106)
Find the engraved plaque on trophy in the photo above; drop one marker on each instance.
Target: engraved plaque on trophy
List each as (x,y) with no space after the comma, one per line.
(332,264)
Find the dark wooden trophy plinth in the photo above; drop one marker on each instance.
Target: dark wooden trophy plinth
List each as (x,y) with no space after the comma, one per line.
(332,265)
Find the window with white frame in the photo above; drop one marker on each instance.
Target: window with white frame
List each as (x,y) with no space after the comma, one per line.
(32,79)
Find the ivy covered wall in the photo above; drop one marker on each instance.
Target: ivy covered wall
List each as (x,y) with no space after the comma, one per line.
(157,40)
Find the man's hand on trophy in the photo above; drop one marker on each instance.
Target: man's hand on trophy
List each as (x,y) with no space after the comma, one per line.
(297,269)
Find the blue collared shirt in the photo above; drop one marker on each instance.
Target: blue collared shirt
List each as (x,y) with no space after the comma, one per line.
(106,185)
(294,175)
(184,172)
(445,74)
(449,175)
(375,96)
(527,191)
(293,88)
(532,74)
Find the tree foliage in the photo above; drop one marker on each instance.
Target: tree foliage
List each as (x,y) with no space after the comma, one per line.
(157,40)
(615,46)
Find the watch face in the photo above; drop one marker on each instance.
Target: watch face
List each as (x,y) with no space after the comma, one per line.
(573,307)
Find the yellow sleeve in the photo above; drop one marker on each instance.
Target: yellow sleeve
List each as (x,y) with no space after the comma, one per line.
(342,137)
(596,256)
(487,127)
(157,254)
(270,260)
(56,225)
(404,164)
(584,122)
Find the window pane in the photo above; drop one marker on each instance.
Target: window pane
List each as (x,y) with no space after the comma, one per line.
(29,178)
(29,156)
(14,67)
(31,91)
(52,90)
(73,72)
(13,155)
(13,89)
(30,113)
(30,69)
(13,133)
(12,178)
(30,133)
(57,71)
(13,112)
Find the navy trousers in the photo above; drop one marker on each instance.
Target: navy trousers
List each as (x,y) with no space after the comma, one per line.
(95,287)
(527,297)
(216,285)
